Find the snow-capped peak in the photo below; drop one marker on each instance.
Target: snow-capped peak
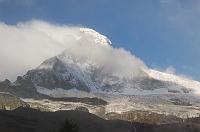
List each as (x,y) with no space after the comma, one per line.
(182,81)
(99,38)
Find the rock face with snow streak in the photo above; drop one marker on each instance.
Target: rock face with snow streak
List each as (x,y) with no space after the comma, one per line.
(53,73)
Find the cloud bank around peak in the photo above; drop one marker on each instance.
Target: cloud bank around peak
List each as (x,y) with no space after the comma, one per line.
(26,45)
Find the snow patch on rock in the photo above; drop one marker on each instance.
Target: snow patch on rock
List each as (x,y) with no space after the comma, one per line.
(59,92)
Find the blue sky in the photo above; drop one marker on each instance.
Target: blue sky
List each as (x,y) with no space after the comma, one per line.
(162,33)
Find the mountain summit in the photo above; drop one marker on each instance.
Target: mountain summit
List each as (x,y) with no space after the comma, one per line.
(98,38)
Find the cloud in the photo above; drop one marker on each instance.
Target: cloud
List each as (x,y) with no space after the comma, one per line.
(26,45)
(170,70)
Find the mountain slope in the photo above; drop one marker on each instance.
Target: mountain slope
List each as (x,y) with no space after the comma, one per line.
(192,85)
(67,74)
(10,102)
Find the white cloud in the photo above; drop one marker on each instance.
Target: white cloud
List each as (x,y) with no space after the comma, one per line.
(170,70)
(25,45)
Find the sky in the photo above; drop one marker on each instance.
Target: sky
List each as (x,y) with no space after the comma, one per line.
(162,33)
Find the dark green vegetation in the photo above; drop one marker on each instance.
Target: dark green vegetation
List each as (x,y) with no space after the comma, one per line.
(30,120)
(69,126)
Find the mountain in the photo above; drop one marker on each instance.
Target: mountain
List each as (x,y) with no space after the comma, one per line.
(82,68)
(68,74)
(92,74)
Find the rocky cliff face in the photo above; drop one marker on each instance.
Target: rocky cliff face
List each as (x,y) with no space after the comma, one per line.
(53,73)
(21,88)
